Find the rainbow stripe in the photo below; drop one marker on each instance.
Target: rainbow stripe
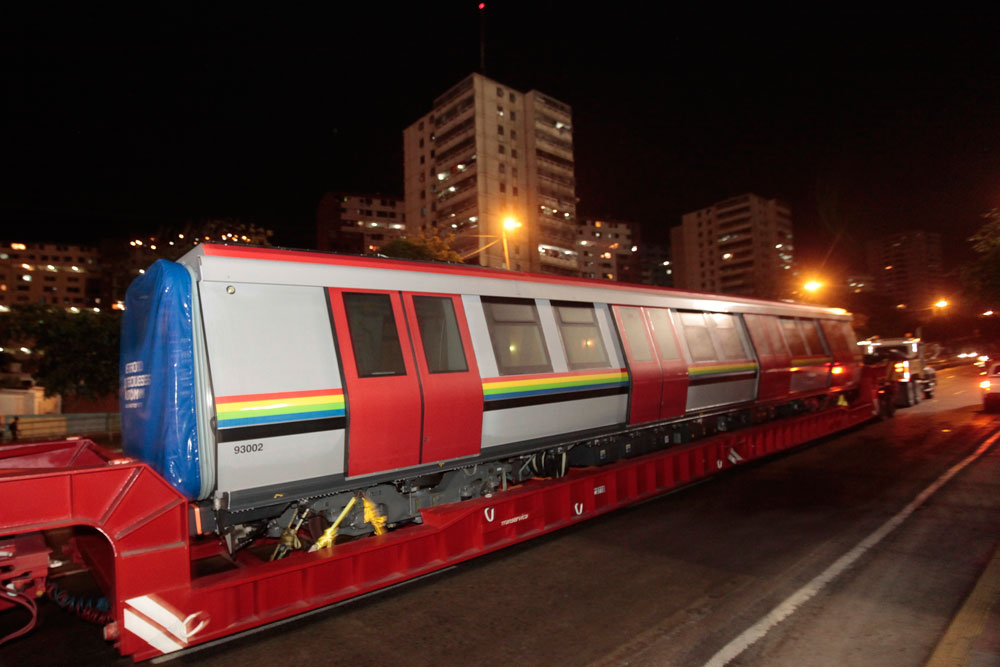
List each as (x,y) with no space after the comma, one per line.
(289,406)
(496,389)
(716,369)
(811,361)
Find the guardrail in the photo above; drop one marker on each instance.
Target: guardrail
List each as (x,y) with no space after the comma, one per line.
(38,427)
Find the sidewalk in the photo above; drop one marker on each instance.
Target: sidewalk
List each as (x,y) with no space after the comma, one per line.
(973,638)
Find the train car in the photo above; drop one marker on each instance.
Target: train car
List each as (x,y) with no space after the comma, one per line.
(271,385)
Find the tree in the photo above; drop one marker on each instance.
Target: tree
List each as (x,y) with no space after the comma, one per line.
(421,247)
(124,259)
(71,353)
(981,275)
(173,243)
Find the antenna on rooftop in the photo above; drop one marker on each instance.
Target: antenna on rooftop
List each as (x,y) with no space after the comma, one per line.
(482,38)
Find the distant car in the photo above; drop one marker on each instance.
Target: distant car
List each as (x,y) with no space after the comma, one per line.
(990,386)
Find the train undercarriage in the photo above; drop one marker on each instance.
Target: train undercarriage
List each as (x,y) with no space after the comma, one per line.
(397,502)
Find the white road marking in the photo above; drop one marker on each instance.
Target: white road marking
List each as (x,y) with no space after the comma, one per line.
(759,629)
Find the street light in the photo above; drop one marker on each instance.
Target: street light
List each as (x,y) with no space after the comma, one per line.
(508,224)
(812,286)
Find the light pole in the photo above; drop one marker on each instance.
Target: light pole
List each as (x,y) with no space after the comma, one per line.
(938,307)
(508,224)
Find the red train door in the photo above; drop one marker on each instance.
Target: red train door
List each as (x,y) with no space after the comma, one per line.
(771,354)
(449,378)
(643,367)
(673,368)
(381,387)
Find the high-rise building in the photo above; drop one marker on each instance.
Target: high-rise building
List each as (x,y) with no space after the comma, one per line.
(49,273)
(609,250)
(742,245)
(358,223)
(657,265)
(484,154)
(860,284)
(907,267)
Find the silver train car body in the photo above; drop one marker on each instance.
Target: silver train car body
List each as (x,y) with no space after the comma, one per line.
(306,377)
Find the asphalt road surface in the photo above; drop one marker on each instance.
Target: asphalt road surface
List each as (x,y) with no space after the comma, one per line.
(856,550)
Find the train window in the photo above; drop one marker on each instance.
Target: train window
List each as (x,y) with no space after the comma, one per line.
(758,334)
(778,344)
(811,330)
(581,337)
(835,339)
(635,333)
(699,341)
(663,332)
(851,338)
(793,337)
(374,336)
(439,333)
(728,336)
(516,335)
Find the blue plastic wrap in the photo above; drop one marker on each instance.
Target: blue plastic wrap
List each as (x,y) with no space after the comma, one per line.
(158,408)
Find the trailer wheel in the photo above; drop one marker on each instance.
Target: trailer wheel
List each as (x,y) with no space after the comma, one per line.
(905,392)
(886,406)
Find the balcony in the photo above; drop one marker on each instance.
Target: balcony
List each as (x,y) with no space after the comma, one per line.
(461,206)
(553,159)
(457,188)
(454,91)
(557,233)
(555,105)
(469,143)
(564,198)
(545,137)
(467,125)
(454,112)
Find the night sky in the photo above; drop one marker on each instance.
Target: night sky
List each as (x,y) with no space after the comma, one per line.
(122,121)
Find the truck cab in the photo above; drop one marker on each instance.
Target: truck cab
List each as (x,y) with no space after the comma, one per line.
(913,377)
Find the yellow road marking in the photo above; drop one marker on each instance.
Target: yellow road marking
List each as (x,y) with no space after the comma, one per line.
(970,621)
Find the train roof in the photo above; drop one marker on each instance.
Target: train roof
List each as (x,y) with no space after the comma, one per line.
(207,252)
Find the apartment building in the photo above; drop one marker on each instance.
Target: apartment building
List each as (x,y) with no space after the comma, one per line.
(657,265)
(49,273)
(742,245)
(358,223)
(609,250)
(907,267)
(493,166)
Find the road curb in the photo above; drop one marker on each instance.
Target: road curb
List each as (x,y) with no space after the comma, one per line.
(978,612)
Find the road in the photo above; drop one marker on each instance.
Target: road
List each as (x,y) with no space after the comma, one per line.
(850,551)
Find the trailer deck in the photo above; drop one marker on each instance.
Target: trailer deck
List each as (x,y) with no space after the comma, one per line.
(169,591)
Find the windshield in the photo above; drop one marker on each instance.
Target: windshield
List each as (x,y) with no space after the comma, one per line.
(904,350)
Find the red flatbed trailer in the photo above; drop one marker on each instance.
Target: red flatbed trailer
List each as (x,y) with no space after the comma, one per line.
(144,559)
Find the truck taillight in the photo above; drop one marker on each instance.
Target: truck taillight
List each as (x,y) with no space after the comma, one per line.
(903,369)
(985,384)
(837,370)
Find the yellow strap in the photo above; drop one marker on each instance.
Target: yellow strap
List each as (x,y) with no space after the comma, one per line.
(373,517)
(326,539)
